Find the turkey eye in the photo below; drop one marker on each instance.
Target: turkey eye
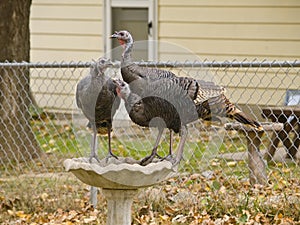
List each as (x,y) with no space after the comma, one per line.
(122,34)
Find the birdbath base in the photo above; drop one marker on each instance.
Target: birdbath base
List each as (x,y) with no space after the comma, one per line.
(119,205)
(120,180)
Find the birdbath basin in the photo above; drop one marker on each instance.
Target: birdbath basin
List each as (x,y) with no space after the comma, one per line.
(120,180)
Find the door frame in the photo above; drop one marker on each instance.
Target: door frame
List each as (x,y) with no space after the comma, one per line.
(152,17)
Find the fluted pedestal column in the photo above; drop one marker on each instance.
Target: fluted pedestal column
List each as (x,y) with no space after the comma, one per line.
(119,206)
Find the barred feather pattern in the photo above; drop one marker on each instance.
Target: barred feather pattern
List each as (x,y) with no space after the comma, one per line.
(161,99)
(208,97)
(211,102)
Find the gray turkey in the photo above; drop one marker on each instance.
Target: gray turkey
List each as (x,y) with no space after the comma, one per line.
(133,72)
(162,104)
(209,98)
(97,98)
(137,76)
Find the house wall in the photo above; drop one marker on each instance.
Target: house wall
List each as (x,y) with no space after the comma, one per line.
(236,30)
(233,29)
(66,30)
(71,30)
(63,30)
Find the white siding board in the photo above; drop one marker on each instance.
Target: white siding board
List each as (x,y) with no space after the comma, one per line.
(167,56)
(265,48)
(70,12)
(59,55)
(256,96)
(230,31)
(86,28)
(66,42)
(231,3)
(67,2)
(229,14)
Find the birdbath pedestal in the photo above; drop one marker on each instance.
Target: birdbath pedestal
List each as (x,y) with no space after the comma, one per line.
(120,180)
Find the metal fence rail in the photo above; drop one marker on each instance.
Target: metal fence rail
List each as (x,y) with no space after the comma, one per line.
(213,156)
(187,63)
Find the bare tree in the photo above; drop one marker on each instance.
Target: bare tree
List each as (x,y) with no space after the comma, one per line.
(17,141)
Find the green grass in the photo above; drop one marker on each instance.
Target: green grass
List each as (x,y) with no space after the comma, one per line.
(37,188)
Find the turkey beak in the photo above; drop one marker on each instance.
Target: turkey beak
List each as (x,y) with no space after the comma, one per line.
(117,82)
(115,35)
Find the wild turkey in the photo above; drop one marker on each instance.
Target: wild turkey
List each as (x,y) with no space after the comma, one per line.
(198,90)
(97,98)
(137,76)
(133,72)
(162,104)
(209,98)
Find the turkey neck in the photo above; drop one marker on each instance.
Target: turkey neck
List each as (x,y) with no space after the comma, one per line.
(97,75)
(126,56)
(130,100)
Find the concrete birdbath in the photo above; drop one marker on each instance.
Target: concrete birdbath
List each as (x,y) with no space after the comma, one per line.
(120,180)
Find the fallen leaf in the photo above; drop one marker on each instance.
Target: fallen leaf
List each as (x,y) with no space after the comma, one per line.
(179,219)
(89,219)
(44,196)
(52,142)
(164,217)
(232,163)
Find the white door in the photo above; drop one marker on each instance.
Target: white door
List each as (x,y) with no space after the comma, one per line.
(135,20)
(139,18)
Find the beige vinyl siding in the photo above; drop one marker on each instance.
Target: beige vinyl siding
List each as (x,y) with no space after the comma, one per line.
(258,86)
(54,88)
(226,30)
(72,30)
(63,30)
(66,30)
(235,30)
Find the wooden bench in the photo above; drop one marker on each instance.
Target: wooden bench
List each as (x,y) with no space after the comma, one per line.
(256,163)
(290,117)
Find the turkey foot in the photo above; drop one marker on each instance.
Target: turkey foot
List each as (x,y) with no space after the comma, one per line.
(169,158)
(110,155)
(148,159)
(94,157)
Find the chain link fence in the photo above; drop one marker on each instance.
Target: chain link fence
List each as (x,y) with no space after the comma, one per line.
(213,179)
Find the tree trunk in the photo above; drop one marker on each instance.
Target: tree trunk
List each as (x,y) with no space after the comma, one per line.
(17,141)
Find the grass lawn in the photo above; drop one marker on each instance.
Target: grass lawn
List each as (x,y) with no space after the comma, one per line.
(208,189)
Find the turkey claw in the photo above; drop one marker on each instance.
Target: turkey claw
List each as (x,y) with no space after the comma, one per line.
(169,158)
(110,155)
(172,160)
(94,157)
(145,161)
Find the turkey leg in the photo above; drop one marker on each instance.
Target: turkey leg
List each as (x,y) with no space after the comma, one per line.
(145,161)
(183,134)
(94,145)
(110,154)
(170,155)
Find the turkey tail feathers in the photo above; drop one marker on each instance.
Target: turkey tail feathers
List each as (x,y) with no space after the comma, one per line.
(243,118)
